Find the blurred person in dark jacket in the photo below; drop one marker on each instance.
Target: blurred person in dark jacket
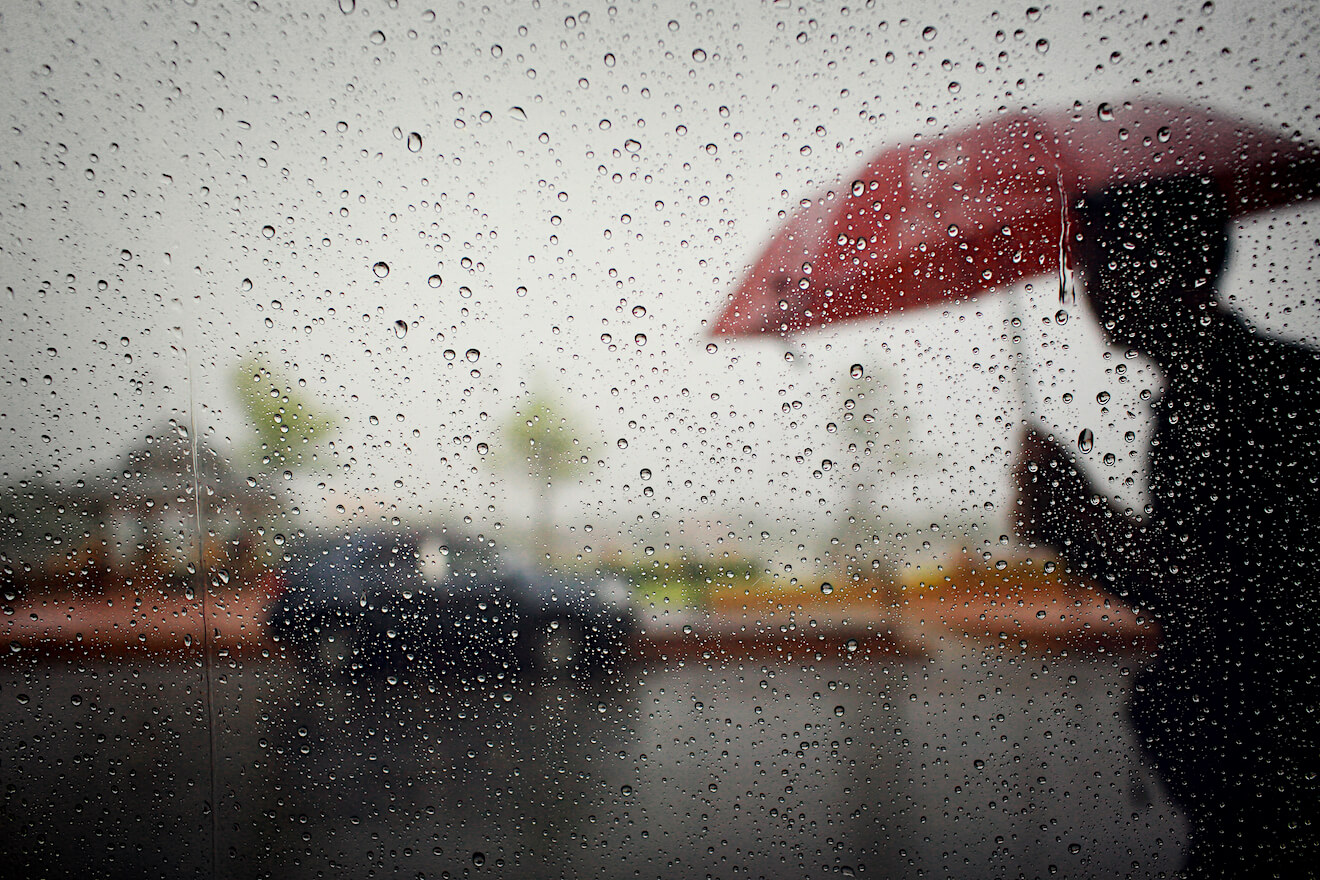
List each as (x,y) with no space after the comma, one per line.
(1224,556)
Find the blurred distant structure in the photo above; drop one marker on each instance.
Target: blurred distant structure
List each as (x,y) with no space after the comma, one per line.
(136,525)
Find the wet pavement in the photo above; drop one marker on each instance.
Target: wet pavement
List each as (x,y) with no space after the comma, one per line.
(971,763)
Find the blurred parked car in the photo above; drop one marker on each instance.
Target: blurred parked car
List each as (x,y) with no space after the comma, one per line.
(388,601)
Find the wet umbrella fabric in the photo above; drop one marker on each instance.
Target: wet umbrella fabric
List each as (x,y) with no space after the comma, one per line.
(945,218)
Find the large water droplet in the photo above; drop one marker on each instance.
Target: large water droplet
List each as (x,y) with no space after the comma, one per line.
(929,33)
(347,6)
(381,269)
(1105,112)
(1086,440)
(472,355)
(434,281)
(414,142)
(856,371)
(400,328)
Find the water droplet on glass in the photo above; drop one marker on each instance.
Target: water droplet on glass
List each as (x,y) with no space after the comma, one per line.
(850,646)
(1086,440)
(414,142)
(268,231)
(623,443)
(347,6)
(1061,317)
(381,269)
(472,355)
(827,588)
(856,371)
(839,711)
(640,339)
(1102,398)
(1105,113)
(246,284)
(929,33)
(632,146)
(698,55)
(434,281)
(711,348)
(400,328)
(478,859)
(377,37)
(1109,459)
(1042,45)
(639,311)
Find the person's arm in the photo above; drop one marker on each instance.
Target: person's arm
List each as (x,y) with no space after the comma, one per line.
(1057,506)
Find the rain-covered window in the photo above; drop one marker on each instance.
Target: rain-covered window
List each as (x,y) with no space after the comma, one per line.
(659,440)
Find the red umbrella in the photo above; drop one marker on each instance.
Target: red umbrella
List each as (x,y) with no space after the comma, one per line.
(948,217)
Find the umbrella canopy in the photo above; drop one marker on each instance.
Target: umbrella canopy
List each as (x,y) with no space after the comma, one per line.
(945,218)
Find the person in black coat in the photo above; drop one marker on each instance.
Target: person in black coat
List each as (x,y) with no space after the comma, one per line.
(1225,555)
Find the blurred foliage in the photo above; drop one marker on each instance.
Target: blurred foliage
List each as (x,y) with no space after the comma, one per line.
(543,441)
(286,422)
(688,583)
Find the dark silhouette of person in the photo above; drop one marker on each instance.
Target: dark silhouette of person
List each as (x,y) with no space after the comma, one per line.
(1225,555)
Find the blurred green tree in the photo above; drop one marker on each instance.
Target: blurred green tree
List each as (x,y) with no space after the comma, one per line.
(544,445)
(286,422)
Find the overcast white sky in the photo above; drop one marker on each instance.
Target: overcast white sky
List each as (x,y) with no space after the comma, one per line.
(591,180)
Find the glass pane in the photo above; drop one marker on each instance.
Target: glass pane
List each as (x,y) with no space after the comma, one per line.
(671,440)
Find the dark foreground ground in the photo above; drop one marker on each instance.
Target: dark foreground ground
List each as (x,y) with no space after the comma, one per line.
(968,764)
